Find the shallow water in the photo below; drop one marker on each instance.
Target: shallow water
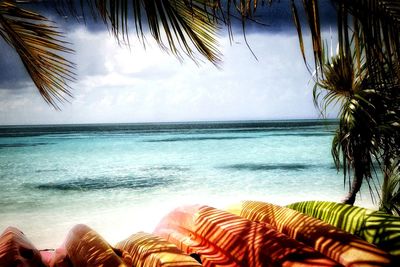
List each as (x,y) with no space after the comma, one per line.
(122,178)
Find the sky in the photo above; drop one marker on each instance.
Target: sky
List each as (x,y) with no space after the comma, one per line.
(127,85)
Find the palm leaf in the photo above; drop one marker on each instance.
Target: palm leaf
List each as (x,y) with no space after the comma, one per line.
(39,45)
(178,26)
(380,24)
(358,141)
(376,24)
(390,201)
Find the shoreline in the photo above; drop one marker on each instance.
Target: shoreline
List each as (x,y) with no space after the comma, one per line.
(119,223)
(197,234)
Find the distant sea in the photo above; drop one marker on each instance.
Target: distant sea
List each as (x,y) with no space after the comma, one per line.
(122,178)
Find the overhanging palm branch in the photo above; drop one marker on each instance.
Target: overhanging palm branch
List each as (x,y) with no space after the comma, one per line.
(178,26)
(188,25)
(375,23)
(39,45)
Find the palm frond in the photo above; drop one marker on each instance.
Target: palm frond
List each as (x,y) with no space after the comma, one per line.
(39,45)
(379,22)
(390,202)
(178,26)
(375,27)
(360,140)
(297,23)
(376,24)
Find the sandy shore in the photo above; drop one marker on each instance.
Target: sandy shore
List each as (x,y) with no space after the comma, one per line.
(49,231)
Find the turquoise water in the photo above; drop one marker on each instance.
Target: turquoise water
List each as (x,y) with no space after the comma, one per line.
(120,179)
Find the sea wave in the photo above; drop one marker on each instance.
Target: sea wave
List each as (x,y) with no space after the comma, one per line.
(304,134)
(199,138)
(13,145)
(166,168)
(88,184)
(267,167)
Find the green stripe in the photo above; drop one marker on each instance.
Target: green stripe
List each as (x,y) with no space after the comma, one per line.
(376,227)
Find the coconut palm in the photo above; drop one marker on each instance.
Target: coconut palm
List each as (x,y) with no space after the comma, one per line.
(364,77)
(343,84)
(367,135)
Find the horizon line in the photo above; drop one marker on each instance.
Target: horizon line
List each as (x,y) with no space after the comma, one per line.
(170,122)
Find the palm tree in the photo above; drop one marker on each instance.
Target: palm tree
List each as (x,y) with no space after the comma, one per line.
(368,133)
(365,78)
(356,142)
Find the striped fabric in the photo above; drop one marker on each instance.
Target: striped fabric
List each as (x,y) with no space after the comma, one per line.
(376,227)
(335,243)
(224,239)
(148,250)
(17,250)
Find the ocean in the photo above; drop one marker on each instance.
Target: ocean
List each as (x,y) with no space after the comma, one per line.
(123,178)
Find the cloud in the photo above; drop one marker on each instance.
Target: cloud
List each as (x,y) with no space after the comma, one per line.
(13,74)
(117,84)
(278,17)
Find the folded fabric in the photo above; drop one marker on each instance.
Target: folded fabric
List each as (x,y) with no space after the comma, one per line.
(17,250)
(148,250)
(85,247)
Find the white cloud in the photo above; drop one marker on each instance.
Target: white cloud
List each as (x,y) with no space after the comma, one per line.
(116,84)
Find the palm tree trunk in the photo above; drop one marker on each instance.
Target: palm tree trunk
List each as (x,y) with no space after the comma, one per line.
(385,204)
(385,191)
(355,188)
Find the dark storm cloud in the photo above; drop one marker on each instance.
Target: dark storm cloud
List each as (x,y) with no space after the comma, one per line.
(67,17)
(12,72)
(277,16)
